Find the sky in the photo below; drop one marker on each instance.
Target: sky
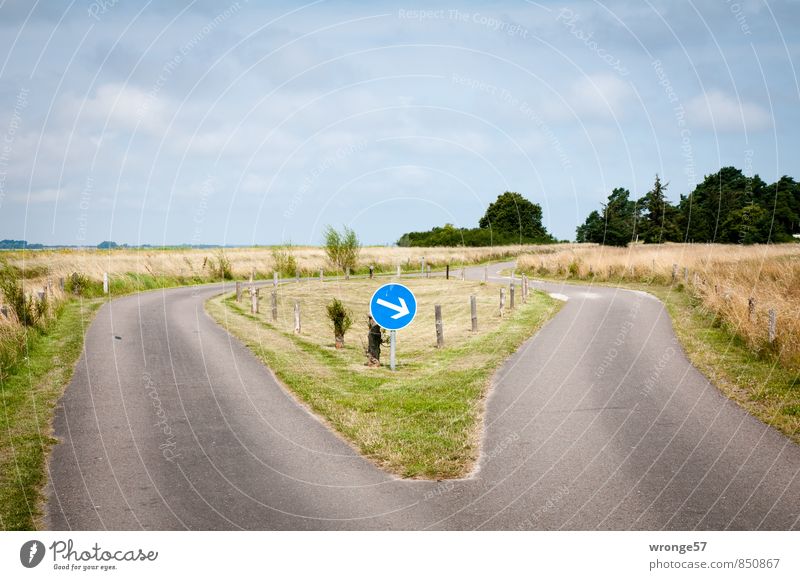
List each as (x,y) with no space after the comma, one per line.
(262,122)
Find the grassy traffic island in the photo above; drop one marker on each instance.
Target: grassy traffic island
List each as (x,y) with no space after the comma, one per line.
(422,420)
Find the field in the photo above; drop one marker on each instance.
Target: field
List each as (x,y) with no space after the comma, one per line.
(423,420)
(199,265)
(722,277)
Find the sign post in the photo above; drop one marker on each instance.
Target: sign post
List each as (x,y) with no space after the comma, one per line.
(392,348)
(393,306)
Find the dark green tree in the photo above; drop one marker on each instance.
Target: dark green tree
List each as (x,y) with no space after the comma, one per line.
(511,213)
(659,219)
(619,215)
(592,230)
(781,200)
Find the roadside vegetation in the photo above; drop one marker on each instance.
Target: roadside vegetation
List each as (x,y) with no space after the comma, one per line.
(720,298)
(424,419)
(37,362)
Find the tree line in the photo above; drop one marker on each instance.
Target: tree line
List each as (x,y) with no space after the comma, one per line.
(510,219)
(728,207)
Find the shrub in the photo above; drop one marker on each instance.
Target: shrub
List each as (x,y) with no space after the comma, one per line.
(283,260)
(342,248)
(28,310)
(220,268)
(78,284)
(341,319)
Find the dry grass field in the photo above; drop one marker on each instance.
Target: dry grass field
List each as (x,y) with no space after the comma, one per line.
(722,277)
(188,264)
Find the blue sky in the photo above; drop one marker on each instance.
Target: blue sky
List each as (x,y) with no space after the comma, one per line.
(258,123)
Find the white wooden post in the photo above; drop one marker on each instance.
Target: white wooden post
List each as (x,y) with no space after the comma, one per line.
(274,306)
(105,282)
(772,326)
(502,301)
(254,301)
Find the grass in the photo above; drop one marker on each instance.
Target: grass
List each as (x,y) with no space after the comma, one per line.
(762,380)
(198,265)
(28,395)
(424,419)
(760,384)
(722,277)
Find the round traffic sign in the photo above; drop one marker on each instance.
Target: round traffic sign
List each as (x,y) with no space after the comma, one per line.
(393,306)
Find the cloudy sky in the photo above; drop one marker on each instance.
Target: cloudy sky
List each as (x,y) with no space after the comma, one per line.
(261,122)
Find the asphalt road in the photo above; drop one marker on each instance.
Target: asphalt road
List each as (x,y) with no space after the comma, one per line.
(597,422)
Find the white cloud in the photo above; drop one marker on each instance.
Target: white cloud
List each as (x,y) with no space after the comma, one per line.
(721,112)
(591,97)
(121,107)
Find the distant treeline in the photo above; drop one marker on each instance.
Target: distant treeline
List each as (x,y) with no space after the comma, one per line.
(511,219)
(19,245)
(727,207)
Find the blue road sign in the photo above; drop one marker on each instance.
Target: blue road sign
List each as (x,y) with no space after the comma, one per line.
(393,306)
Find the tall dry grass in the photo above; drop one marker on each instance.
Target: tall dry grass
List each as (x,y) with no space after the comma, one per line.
(723,277)
(196,264)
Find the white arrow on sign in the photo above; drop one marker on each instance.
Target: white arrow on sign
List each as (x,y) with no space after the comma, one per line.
(401,310)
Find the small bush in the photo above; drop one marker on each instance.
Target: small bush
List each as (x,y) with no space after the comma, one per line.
(78,284)
(341,319)
(220,268)
(28,310)
(342,248)
(283,260)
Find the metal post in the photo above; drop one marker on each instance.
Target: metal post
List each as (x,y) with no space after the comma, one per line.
(297,317)
(392,348)
(511,295)
(274,306)
(502,301)
(437,311)
(473,308)
(447,272)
